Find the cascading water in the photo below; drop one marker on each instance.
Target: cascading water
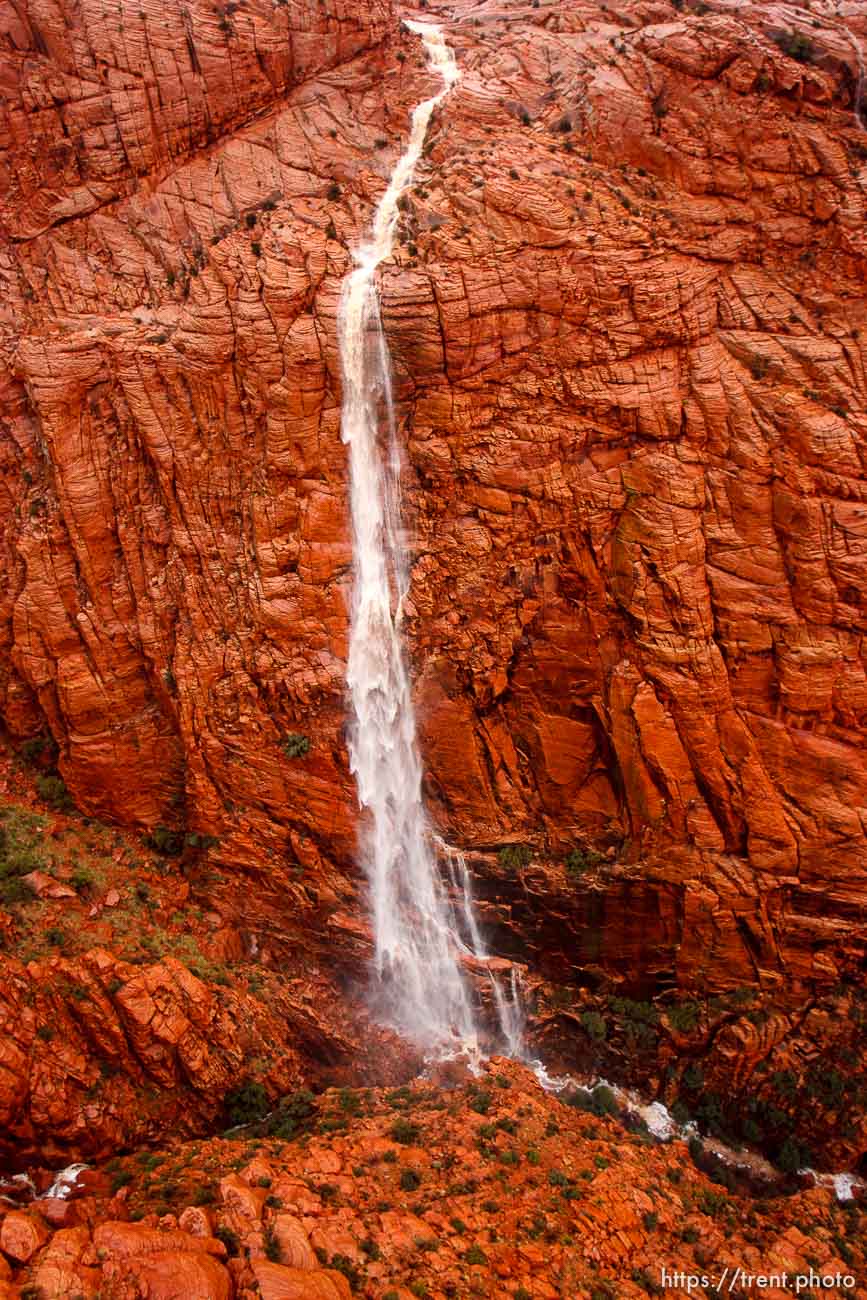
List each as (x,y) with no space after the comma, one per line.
(421,935)
(423,989)
(509,1007)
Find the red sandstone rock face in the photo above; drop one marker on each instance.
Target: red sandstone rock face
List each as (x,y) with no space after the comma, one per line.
(628,323)
(492,1188)
(128,1010)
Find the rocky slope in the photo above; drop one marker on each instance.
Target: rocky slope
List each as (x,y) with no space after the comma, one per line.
(628,323)
(484,1187)
(131,1005)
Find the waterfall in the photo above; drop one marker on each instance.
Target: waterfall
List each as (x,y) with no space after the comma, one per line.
(422,988)
(509,1007)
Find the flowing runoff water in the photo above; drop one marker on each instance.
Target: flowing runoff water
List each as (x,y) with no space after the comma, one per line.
(421,936)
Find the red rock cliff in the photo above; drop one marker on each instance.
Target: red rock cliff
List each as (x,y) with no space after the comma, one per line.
(629,327)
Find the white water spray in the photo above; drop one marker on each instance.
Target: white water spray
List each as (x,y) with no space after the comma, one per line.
(423,989)
(509,1006)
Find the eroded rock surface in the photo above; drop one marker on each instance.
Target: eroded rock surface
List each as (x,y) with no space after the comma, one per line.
(489,1187)
(628,322)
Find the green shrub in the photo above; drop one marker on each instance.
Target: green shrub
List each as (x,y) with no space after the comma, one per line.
(197,840)
(514,857)
(404,1132)
(410,1181)
(475,1255)
(751,1131)
(343,1264)
(82,880)
(709,1113)
(581,860)
(350,1101)
(38,748)
(683,1016)
(21,835)
(594,1025)
(648,1284)
(294,745)
(166,841)
(641,1019)
(792,1156)
(480,1101)
(693,1078)
(14,890)
(51,788)
(246,1103)
(601,1101)
(795,45)
(229,1239)
(713,1204)
(292,1115)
